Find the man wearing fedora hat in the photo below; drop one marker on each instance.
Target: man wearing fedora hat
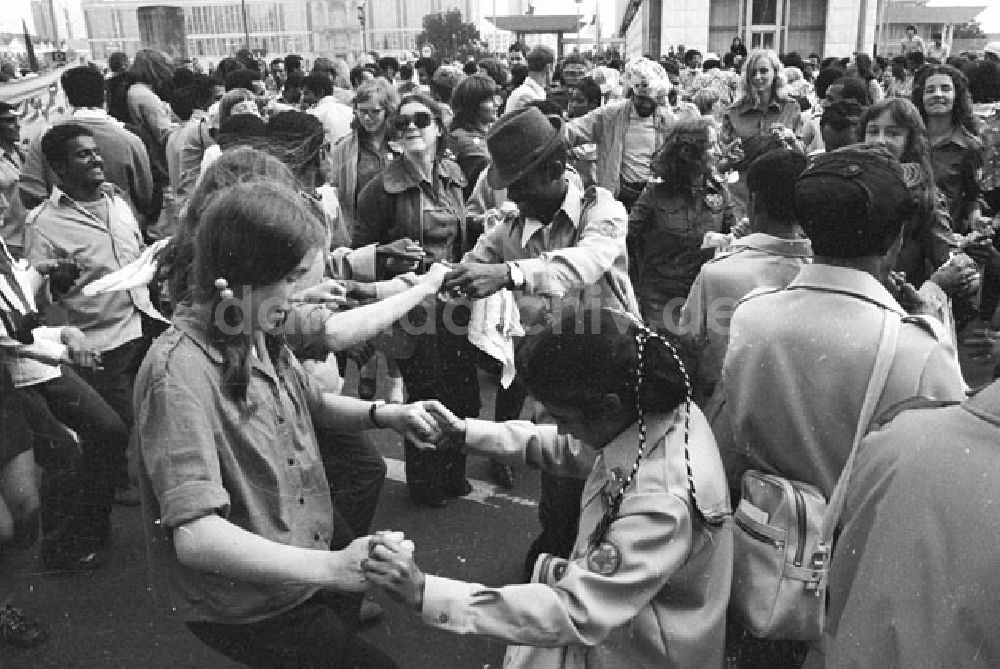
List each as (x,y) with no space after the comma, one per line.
(564,249)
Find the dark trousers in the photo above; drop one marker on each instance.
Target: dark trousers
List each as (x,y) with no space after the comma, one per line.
(441,366)
(320,632)
(356,473)
(559,516)
(82,502)
(310,635)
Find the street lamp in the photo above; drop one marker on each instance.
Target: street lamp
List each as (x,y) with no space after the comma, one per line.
(361,19)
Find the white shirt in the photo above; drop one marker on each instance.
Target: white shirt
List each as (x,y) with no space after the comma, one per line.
(336,118)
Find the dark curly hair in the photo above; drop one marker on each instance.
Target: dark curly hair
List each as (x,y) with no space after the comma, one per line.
(684,151)
(592,353)
(961,111)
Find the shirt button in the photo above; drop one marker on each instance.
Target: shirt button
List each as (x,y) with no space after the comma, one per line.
(291,462)
(443,618)
(316,537)
(302,500)
(281,419)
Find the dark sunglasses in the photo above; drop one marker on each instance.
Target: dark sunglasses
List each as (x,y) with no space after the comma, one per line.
(419,119)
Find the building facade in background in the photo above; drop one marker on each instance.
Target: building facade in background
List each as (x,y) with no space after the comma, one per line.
(215,28)
(829,27)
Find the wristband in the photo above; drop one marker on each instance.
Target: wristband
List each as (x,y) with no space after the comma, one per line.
(371,414)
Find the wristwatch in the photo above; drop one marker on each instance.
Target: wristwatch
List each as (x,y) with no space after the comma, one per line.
(516,276)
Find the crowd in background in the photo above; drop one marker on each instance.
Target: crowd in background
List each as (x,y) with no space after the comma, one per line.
(694,255)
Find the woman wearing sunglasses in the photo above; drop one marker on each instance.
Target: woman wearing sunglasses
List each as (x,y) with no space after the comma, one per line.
(419,196)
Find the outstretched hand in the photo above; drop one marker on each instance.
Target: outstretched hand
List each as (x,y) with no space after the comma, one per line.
(476,280)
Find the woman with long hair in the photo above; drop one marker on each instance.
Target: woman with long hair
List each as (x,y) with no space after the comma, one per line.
(239,514)
(669,221)
(475,103)
(928,240)
(418,196)
(763,104)
(941,95)
(150,93)
(647,581)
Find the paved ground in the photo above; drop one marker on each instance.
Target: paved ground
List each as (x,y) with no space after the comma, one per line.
(113,618)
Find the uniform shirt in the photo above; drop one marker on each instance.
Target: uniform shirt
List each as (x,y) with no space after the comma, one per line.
(524,94)
(255,464)
(797,367)
(62,228)
(662,607)
(957,159)
(665,233)
(126,161)
(914,575)
(584,245)
(755,261)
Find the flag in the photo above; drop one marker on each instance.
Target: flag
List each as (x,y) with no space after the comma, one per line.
(32,60)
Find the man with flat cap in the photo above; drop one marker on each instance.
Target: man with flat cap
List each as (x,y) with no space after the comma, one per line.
(800,358)
(563,249)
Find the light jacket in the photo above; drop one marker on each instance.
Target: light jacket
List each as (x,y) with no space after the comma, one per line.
(606,127)
(659,602)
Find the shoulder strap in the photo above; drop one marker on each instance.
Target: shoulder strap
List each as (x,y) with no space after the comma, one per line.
(883,362)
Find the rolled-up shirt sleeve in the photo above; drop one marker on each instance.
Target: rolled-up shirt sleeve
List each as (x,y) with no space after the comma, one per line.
(182,465)
(577,606)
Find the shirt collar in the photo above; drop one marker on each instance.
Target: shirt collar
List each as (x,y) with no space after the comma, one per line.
(747,106)
(400,175)
(792,248)
(90,112)
(621,452)
(192,320)
(58,195)
(571,208)
(959,136)
(848,281)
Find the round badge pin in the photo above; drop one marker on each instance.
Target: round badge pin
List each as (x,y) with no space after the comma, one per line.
(604,559)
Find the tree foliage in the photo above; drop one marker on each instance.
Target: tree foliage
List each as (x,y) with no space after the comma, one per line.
(449,36)
(972,30)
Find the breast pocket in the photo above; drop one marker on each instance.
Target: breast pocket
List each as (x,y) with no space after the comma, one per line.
(672,218)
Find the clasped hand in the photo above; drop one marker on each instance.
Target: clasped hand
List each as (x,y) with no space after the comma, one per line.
(390,566)
(427,424)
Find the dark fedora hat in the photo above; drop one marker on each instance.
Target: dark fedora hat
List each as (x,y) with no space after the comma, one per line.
(518,142)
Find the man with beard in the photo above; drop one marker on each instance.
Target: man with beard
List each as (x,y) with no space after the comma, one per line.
(628,131)
(564,249)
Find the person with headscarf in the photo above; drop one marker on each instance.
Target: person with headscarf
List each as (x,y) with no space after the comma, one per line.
(628,132)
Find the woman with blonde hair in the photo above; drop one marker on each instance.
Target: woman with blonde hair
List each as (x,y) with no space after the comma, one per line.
(763,103)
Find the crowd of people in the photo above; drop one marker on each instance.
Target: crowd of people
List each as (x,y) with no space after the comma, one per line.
(682,269)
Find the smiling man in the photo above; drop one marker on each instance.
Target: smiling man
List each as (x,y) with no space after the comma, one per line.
(88,221)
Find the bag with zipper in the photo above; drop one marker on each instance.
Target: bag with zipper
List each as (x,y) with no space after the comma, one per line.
(784,533)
